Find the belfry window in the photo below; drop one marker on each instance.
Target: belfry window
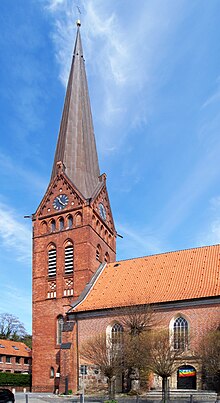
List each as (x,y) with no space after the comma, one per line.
(180,334)
(52,261)
(107,258)
(60,322)
(99,253)
(69,259)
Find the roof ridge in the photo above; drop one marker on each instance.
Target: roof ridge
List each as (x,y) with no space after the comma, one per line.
(164,253)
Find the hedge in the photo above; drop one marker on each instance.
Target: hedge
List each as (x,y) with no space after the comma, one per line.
(10,379)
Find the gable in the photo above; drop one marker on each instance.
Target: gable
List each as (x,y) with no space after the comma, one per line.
(102,208)
(61,185)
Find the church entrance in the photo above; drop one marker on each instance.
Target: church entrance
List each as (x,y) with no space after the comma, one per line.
(186,377)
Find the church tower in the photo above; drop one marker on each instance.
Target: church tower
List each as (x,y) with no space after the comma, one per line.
(73,228)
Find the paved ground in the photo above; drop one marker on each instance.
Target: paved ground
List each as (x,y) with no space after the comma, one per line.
(46,397)
(39,398)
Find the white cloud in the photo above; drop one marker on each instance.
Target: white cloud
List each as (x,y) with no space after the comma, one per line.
(14,236)
(211,235)
(215,97)
(137,242)
(10,166)
(123,59)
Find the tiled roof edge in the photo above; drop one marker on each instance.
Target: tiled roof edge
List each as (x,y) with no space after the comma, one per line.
(88,287)
(158,306)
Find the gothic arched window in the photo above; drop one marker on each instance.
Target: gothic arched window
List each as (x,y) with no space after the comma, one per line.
(69,258)
(180,334)
(52,261)
(59,329)
(117,334)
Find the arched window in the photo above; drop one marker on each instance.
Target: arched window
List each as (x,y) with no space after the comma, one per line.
(107,258)
(180,334)
(61,223)
(69,258)
(51,372)
(59,329)
(52,261)
(70,221)
(53,225)
(117,334)
(99,253)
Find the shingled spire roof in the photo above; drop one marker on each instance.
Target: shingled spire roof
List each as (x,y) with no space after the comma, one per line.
(76,146)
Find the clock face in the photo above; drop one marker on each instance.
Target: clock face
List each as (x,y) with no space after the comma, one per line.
(102,211)
(60,202)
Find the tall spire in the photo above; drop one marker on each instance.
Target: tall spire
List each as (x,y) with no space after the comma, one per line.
(76,147)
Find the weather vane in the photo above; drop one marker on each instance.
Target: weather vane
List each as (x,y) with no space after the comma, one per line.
(78,23)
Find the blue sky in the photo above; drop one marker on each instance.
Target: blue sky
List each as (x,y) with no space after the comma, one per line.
(153,69)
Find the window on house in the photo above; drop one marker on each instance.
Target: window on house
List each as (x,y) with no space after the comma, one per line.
(70,221)
(26,360)
(117,334)
(18,360)
(61,223)
(52,261)
(51,372)
(1,358)
(180,334)
(59,329)
(53,225)
(8,359)
(69,259)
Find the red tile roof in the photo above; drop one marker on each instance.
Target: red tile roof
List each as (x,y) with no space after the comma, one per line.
(15,348)
(173,276)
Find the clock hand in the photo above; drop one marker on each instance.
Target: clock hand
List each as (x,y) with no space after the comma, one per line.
(60,201)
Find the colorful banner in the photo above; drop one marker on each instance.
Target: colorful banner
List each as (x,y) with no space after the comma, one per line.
(187,372)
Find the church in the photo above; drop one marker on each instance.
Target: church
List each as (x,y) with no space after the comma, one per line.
(79,289)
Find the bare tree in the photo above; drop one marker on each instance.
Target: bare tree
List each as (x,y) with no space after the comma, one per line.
(163,358)
(11,328)
(137,322)
(209,352)
(138,319)
(107,356)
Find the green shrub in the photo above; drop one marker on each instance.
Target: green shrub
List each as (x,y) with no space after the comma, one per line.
(10,379)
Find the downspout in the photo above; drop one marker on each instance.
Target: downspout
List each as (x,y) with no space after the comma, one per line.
(77,352)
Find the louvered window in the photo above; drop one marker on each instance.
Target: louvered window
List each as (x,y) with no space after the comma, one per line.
(69,259)
(52,262)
